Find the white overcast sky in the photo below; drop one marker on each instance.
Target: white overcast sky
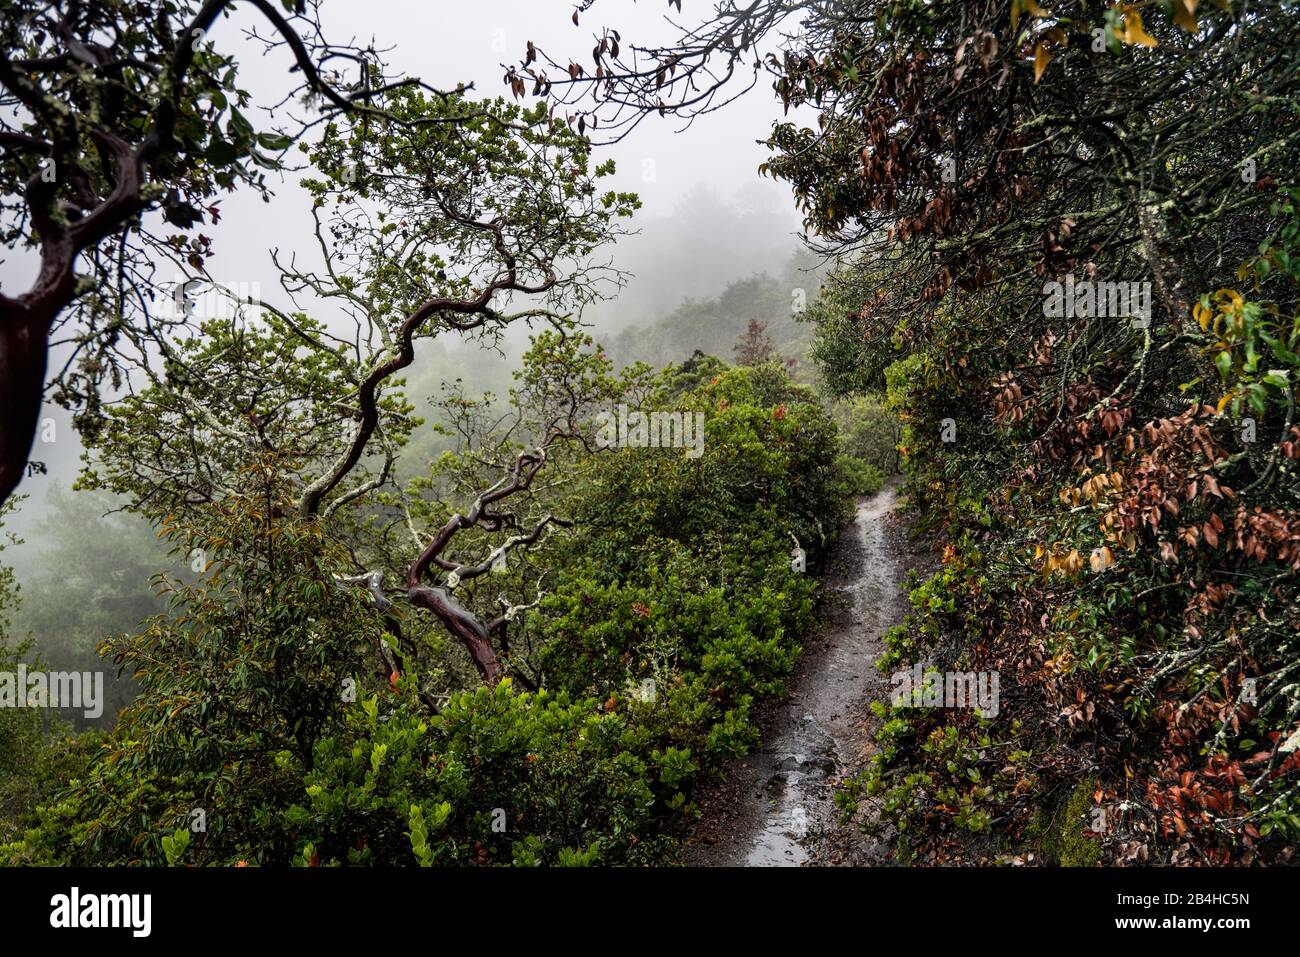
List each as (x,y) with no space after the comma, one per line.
(446,42)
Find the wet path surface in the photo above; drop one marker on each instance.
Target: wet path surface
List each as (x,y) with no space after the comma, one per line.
(776,806)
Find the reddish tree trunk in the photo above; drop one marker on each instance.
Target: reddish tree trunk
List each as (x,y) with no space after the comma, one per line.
(464,625)
(24,345)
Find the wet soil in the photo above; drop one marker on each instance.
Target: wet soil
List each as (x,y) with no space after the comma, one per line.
(776,806)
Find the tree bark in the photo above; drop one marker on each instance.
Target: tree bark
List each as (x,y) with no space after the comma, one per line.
(23,348)
(462,623)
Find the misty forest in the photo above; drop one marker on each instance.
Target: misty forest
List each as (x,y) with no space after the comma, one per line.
(741,432)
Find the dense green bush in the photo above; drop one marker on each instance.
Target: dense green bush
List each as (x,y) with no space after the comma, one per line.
(671,608)
(858,477)
(1113,491)
(869,431)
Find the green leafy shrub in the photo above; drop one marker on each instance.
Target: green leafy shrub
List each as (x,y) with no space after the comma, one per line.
(669,612)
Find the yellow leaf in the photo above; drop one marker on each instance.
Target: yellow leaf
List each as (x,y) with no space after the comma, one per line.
(1041,59)
(1034,10)
(1134,30)
(1202,315)
(1229,297)
(1185,14)
(1015,15)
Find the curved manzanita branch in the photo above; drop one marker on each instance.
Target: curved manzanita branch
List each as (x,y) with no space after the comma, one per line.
(65,232)
(468,628)
(374,584)
(26,320)
(480,311)
(464,624)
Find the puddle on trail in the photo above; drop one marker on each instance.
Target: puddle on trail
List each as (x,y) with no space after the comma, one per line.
(812,760)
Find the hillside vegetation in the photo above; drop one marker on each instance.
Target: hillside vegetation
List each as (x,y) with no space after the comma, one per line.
(1114,493)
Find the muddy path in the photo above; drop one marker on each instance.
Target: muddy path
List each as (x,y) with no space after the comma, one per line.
(775,807)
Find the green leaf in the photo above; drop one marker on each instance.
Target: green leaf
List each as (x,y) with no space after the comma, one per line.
(220,152)
(1223,362)
(239,129)
(274,141)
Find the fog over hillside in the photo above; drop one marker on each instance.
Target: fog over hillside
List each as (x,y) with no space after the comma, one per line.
(706,220)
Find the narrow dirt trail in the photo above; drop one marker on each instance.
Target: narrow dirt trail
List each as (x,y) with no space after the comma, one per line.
(776,806)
